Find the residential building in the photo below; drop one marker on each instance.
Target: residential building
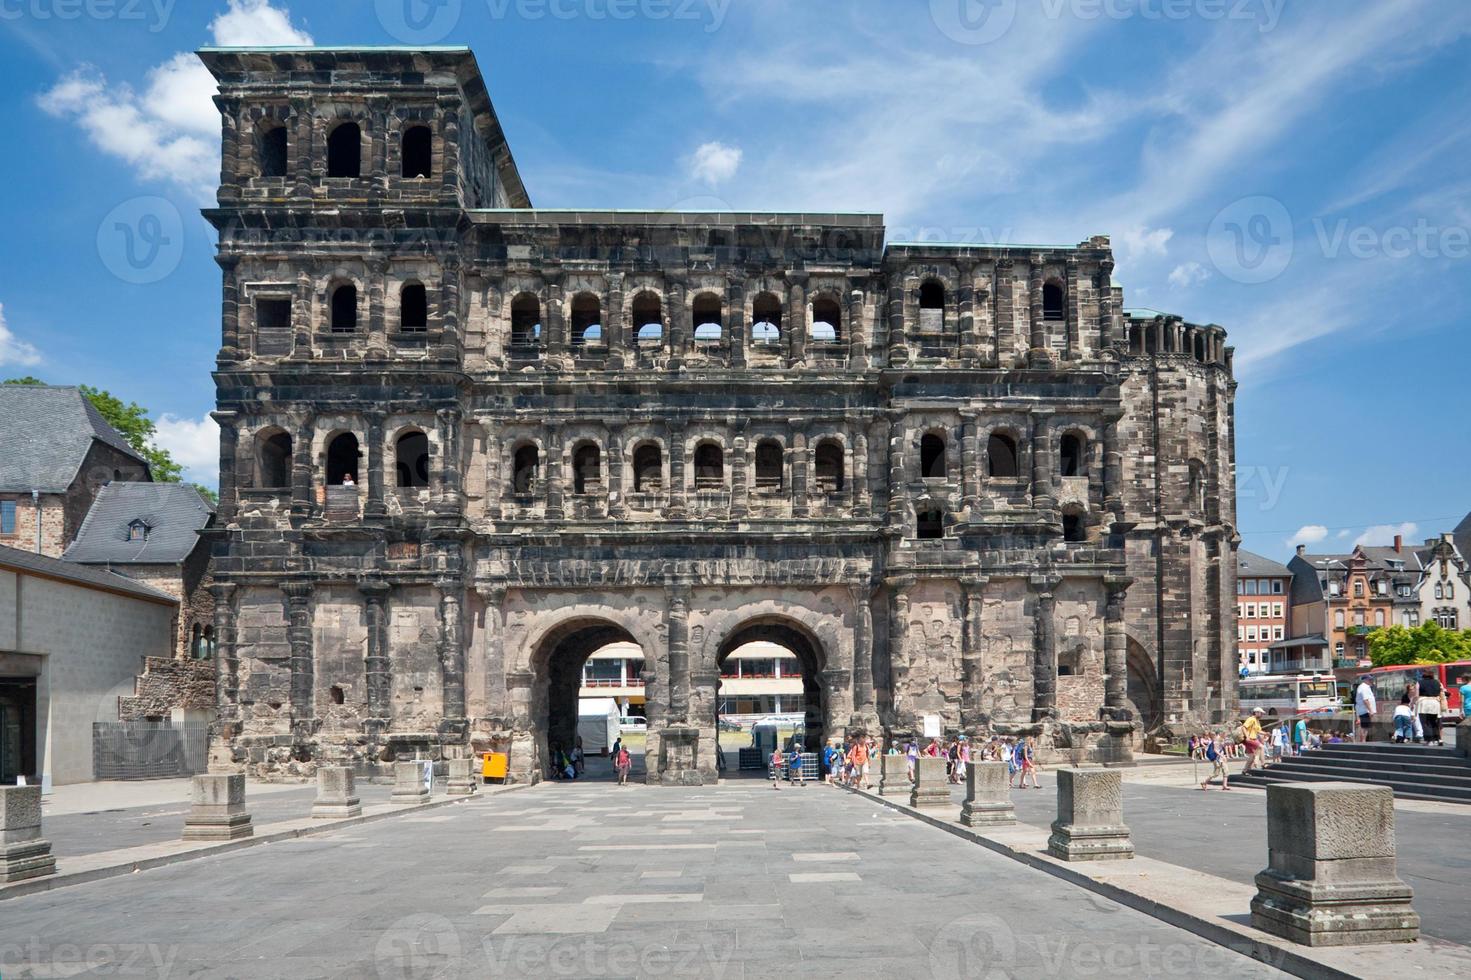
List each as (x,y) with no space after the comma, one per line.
(1444,590)
(758,678)
(1262,609)
(1371,587)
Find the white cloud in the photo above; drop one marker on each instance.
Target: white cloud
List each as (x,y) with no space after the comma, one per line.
(715,163)
(1308,534)
(171,130)
(193,443)
(13,350)
(1383,534)
(1188,274)
(1139,242)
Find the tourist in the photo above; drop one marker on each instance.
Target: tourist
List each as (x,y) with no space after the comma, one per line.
(1029,761)
(860,764)
(775,762)
(1412,688)
(622,763)
(1215,753)
(1279,743)
(964,759)
(1250,735)
(1429,707)
(1364,706)
(1299,736)
(794,765)
(829,762)
(347,480)
(579,761)
(1404,720)
(911,755)
(1465,690)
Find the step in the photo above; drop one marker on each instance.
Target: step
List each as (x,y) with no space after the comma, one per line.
(1400,749)
(1378,764)
(1462,780)
(1401,790)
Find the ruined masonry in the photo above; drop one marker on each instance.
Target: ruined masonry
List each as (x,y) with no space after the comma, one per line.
(466,442)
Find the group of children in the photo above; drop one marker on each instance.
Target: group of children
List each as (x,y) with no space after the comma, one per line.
(1260,747)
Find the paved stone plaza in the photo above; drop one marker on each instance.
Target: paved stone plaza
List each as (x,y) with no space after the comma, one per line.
(730,881)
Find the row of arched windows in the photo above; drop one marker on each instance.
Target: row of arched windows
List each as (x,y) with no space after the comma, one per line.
(413,308)
(274,453)
(707,312)
(1002,457)
(345,151)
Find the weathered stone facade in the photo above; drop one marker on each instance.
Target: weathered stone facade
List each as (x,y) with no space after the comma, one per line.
(953,480)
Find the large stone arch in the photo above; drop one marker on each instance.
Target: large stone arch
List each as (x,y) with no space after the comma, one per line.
(1144,693)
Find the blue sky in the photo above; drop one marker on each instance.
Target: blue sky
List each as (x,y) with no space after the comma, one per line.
(1294,170)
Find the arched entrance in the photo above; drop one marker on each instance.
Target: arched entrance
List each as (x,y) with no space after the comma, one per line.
(770,668)
(562,692)
(1143,687)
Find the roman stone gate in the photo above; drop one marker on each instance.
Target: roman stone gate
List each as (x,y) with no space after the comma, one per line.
(466,443)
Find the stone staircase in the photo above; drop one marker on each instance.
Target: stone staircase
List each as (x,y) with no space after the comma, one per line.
(1416,772)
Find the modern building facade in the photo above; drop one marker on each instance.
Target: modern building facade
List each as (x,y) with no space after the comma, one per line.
(1262,610)
(467,443)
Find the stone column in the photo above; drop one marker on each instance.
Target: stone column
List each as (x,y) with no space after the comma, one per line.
(857,328)
(865,710)
(898,652)
(303,669)
(1044,649)
(377,321)
(413,782)
(1005,319)
(617,506)
(376,662)
(217,809)
(1331,877)
(677,476)
(973,714)
(23,852)
(230,346)
(302,503)
(227,656)
(375,507)
(737,328)
(861,499)
(1090,817)
(987,796)
(554,504)
(680,315)
(797,320)
(965,299)
(931,784)
(1073,311)
(450,484)
(677,622)
(1034,290)
(969,463)
(1042,468)
(740,490)
(497,701)
(1116,649)
(1113,466)
(336,794)
(894,775)
(556,324)
(452,655)
(229,466)
(614,330)
(800,502)
(1103,284)
(894,308)
(898,488)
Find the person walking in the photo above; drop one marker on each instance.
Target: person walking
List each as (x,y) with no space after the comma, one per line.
(1251,737)
(1029,761)
(775,762)
(1429,707)
(622,763)
(1215,754)
(860,764)
(794,765)
(1299,735)
(1364,705)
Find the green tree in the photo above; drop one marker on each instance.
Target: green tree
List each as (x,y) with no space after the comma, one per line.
(132,422)
(1424,644)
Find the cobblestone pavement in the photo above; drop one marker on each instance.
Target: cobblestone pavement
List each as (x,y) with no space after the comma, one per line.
(590,879)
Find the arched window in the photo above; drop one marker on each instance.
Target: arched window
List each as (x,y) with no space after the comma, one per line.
(1001,455)
(769,464)
(274,459)
(587,469)
(345,151)
(1052,302)
(1071,461)
(709,467)
(587,320)
(648,319)
(931,306)
(827,320)
(413,308)
(929,524)
(828,461)
(411,458)
(1072,527)
(1197,485)
(932,456)
(707,319)
(418,152)
(648,469)
(523,470)
(342,460)
(765,321)
(273,152)
(345,308)
(525,320)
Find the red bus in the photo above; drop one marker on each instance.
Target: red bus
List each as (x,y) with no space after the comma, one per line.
(1390,683)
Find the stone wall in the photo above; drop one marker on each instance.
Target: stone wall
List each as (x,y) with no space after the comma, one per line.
(166,685)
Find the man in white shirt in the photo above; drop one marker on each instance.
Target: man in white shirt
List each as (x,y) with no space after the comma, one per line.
(1364,706)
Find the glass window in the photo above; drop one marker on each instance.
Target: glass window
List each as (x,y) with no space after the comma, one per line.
(1338,619)
(1251,586)
(7,516)
(1276,586)
(1358,589)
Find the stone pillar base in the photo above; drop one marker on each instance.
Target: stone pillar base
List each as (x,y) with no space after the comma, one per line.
(412,783)
(931,785)
(678,753)
(976,814)
(26,859)
(461,780)
(217,809)
(988,796)
(894,776)
(335,794)
(23,854)
(1073,843)
(1316,914)
(1090,817)
(217,826)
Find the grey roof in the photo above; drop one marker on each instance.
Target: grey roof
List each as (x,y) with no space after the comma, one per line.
(1316,640)
(83,575)
(172,512)
(1462,537)
(47,432)
(1250,563)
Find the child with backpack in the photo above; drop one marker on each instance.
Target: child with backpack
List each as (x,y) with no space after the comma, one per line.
(1215,754)
(794,765)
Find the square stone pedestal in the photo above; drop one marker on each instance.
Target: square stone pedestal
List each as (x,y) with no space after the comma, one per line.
(336,794)
(1331,877)
(461,777)
(1090,817)
(678,752)
(894,776)
(931,785)
(413,782)
(217,809)
(23,854)
(987,796)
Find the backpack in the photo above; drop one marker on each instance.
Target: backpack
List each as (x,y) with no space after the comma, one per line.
(1019,754)
(1210,751)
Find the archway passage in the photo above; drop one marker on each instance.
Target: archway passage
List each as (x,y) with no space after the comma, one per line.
(1143,689)
(770,670)
(570,700)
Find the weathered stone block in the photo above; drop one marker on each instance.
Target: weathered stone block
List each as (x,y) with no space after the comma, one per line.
(23,853)
(217,810)
(1331,878)
(931,785)
(461,781)
(1090,817)
(894,776)
(336,794)
(412,782)
(987,796)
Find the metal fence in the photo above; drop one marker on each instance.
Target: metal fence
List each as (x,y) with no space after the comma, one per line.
(148,749)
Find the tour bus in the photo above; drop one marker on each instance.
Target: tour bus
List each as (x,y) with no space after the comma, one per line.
(1287,695)
(1390,682)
